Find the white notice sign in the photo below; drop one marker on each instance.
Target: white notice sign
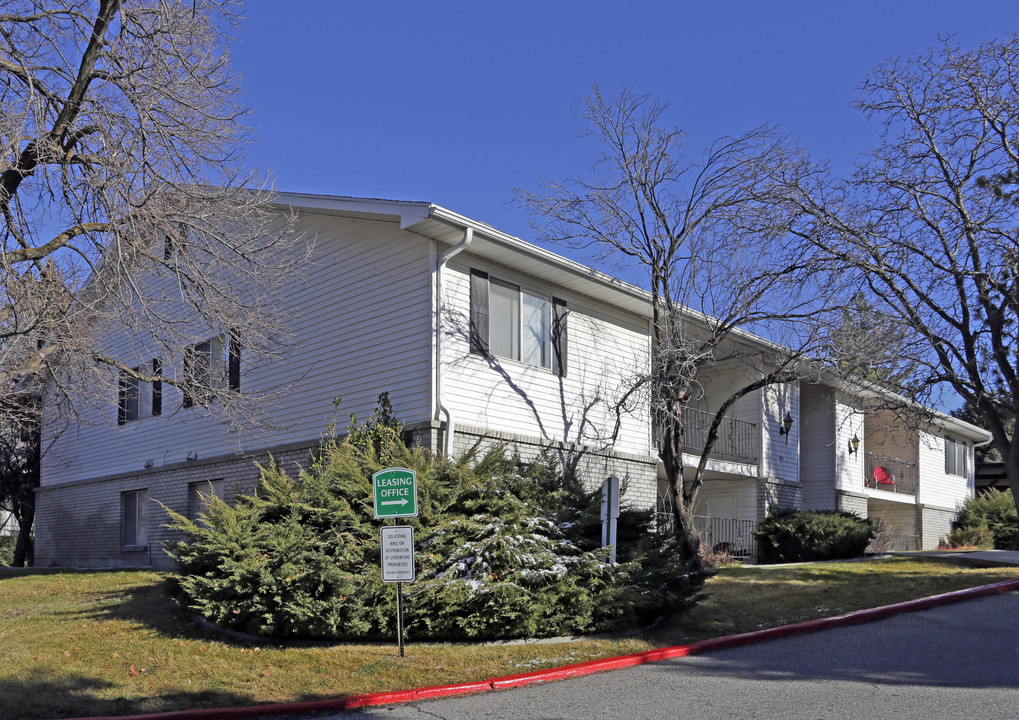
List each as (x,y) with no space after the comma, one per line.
(397,553)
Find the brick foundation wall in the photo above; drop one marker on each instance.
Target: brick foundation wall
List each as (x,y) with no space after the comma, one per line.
(79,524)
(772,493)
(934,525)
(850,502)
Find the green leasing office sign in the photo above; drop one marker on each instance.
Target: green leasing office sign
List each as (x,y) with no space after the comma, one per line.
(395,492)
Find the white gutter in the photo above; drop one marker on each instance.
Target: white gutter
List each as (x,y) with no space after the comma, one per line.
(439,401)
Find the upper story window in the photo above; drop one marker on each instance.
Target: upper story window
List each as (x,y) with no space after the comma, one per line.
(955,457)
(512,322)
(214,364)
(135,397)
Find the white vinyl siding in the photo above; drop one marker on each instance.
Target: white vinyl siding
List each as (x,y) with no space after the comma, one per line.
(735,499)
(780,452)
(849,467)
(817,448)
(360,322)
(606,350)
(939,488)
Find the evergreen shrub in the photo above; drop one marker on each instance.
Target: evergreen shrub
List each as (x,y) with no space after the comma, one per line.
(8,543)
(504,550)
(995,510)
(810,535)
(971,538)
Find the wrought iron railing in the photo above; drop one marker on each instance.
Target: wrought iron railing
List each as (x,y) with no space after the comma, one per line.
(888,537)
(891,475)
(893,542)
(733,536)
(736,438)
(730,535)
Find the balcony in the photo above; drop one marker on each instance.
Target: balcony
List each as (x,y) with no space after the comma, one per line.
(890,475)
(735,441)
(730,535)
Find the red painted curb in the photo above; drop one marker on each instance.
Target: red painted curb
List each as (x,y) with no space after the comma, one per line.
(350,702)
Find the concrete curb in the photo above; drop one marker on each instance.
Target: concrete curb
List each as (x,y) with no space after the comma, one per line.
(351,702)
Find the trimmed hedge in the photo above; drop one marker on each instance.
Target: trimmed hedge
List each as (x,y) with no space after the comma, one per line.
(995,511)
(978,537)
(7,545)
(504,550)
(812,535)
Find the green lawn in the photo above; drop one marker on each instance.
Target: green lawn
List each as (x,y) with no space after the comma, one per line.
(111,643)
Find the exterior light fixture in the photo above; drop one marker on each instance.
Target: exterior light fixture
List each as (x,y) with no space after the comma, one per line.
(192,456)
(149,463)
(854,444)
(787,425)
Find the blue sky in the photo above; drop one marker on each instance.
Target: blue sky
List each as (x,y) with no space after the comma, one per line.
(458,102)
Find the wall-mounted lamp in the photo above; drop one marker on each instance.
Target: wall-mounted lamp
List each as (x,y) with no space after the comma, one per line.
(149,463)
(854,444)
(786,426)
(192,456)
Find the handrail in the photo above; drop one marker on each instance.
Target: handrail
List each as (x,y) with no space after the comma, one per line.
(736,438)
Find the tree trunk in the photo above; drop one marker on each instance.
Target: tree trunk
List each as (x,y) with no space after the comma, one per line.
(1012,474)
(686,534)
(687,542)
(23,551)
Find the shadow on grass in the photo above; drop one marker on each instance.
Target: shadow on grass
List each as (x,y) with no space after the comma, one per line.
(150,605)
(42,695)
(153,606)
(7,573)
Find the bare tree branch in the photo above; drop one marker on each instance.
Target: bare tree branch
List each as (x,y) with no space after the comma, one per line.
(712,235)
(929,231)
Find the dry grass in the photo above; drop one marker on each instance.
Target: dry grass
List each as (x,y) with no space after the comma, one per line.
(110,643)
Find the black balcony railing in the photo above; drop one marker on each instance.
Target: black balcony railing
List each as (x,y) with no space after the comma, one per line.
(891,475)
(730,535)
(736,438)
(889,537)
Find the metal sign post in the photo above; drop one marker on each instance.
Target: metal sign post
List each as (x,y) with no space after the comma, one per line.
(397,544)
(609,514)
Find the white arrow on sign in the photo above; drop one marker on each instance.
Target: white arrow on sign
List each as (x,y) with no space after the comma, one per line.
(394,502)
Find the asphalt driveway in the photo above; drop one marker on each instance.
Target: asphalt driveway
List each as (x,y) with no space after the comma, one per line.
(954,661)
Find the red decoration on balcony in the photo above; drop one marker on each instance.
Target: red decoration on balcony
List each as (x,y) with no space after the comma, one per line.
(882,477)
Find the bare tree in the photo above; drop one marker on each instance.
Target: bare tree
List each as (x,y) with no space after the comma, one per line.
(19,469)
(123,198)
(711,236)
(927,228)
(125,208)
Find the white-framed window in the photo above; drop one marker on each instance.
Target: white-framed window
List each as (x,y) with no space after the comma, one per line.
(213,364)
(137,399)
(134,520)
(199,494)
(956,453)
(514,322)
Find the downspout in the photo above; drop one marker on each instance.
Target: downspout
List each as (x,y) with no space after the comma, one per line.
(439,401)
